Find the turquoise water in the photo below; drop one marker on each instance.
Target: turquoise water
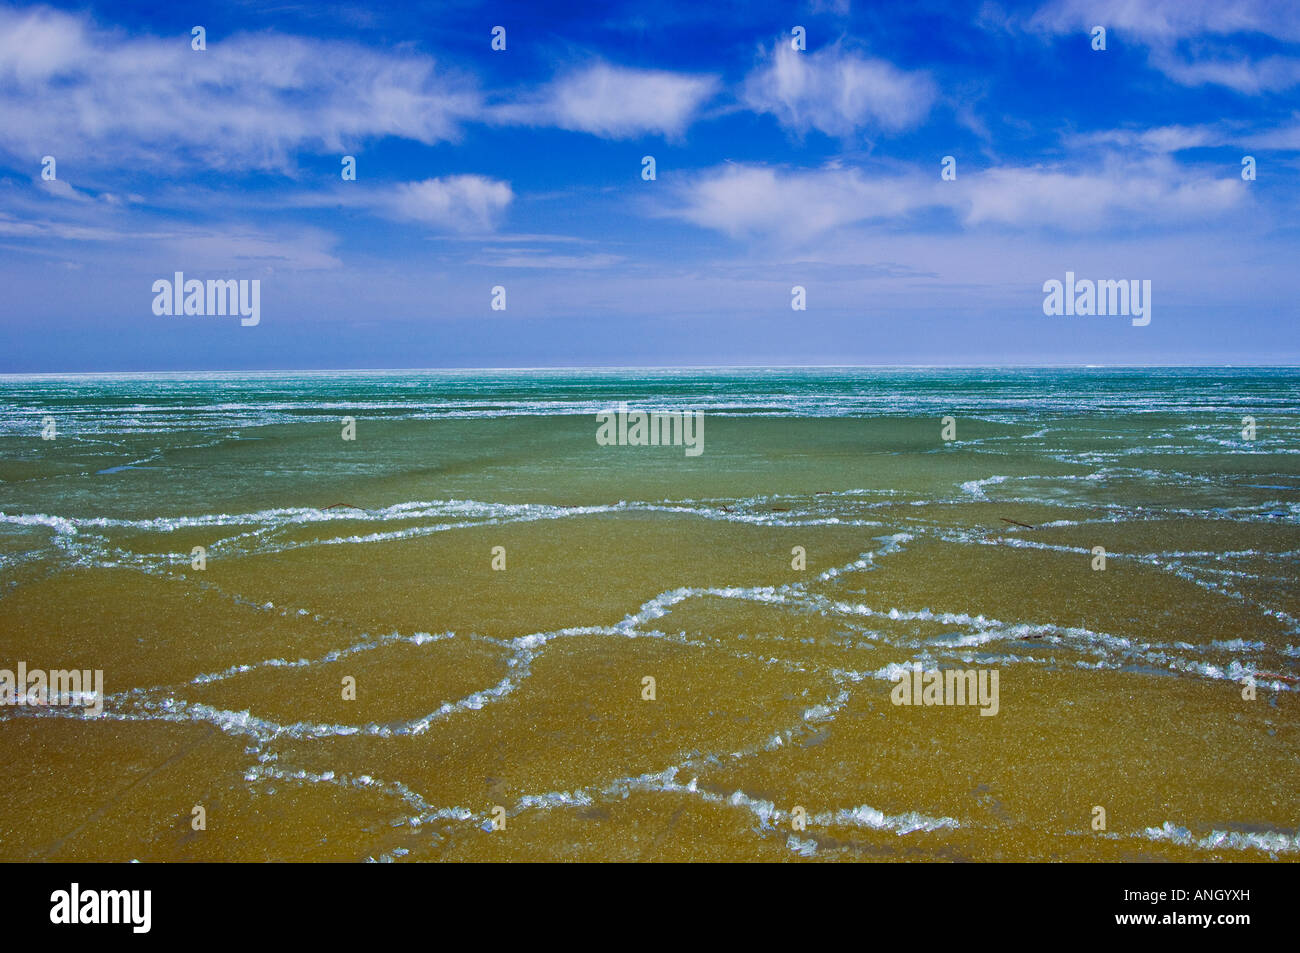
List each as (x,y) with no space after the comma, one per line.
(156,403)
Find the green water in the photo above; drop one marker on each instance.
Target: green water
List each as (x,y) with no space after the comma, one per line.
(521,687)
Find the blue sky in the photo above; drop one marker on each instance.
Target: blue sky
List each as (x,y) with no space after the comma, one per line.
(523,168)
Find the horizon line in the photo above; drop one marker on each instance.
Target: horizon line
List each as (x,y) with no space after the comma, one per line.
(638,367)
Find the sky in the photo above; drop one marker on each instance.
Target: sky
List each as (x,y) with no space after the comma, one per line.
(524,169)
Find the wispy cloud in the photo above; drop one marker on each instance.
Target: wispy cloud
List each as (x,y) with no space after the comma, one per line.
(258,101)
(249,101)
(837,91)
(185,246)
(614,101)
(1160,139)
(1123,193)
(459,202)
(1175,31)
(454,203)
(1281,136)
(1154,21)
(544,258)
(1270,74)
(757,200)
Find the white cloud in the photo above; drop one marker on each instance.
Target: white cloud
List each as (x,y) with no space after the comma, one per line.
(1166,139)
(255,101)
(1125,195)
(33,228)
(757,200)
(615,102)
(837,91)
(1163,25)
(453,203)
(795,206)
(62,189)
(1156,139)
(462,203)
(1152,21)
(185,246)
(247,101)
(1268,75)
(1283,137)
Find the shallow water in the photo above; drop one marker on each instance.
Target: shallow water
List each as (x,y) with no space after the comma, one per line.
(522,689)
